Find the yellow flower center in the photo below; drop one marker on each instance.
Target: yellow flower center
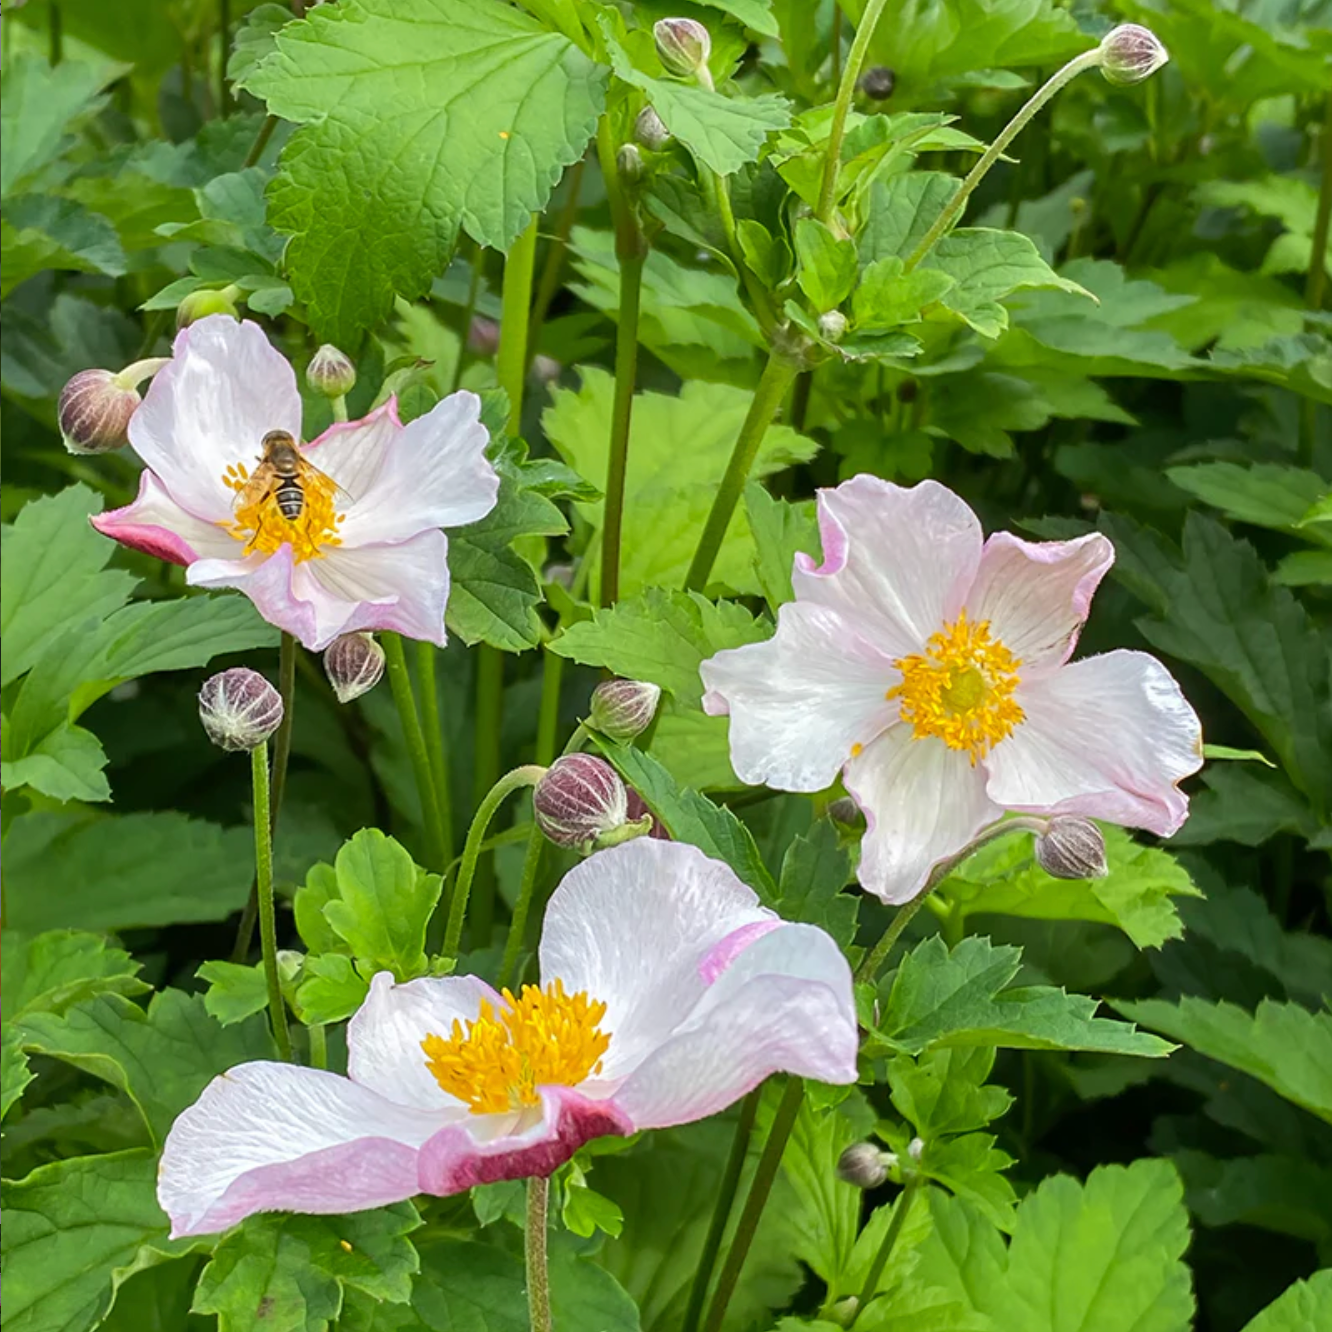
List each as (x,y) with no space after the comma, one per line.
(960,689)
(259,522)
(542,1038)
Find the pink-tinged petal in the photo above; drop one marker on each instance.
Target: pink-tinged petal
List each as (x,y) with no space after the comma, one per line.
(158,526)
(784,1004)
(430,473)
(1109,737)
(801,700)
(470,1153)
(632,926)
(1036,594)
(224,389)
(384,1037)
(897,561)
(922,801)
(268,580)
(274,1137)
(722,954)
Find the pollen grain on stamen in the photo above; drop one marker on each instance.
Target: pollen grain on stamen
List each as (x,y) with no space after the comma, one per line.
(543,1037)
(960,689)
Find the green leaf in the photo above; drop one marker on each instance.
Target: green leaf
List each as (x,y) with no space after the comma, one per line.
(418,118)
(46,973)
(901,210)
(972,1167)
(814,872)
(781,531)
(66,764)
(383,903)
(940,999)
(944,1092)
(827,265)
(74,1231)
(122,872)
(1137,894)
(1283,1194)
(1284,1046)
(43,232)
(1266,494)
(586,1211)
(14,1072)
(331,989)
(691,817)
(289,1273)
(887,297)
(162,1057)
(1304,1307)
(235,992)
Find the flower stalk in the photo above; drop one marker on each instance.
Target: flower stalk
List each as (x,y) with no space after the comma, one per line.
(1317,279)
(426,654)
(895,1226)
(263,862)
(538,1268)
(400,681)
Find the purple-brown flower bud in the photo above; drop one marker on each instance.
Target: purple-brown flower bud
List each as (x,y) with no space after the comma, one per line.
(623,709)
(354,664)
(878,82)
(683,46)
(1131,53)
(331,372)
(864,1165)
(581,802)
(650,130)
(207,301)
(847,813)
(1072,848)
(239,709)
(94,411)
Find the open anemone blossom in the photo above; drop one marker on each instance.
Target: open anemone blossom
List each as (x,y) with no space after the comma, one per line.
(667,994)
(930,667)
(351,542)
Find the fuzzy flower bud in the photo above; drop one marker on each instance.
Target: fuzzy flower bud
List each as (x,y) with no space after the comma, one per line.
(239,709)
(94,411)
(331,372)
(622,709)
(832,325)
(864,1165)
(1131,53)
(846,812)
(354,664)
(878,82)
(1072,848)
(683,45)
(581,802)
(629,163)
(198,304)
(650,130)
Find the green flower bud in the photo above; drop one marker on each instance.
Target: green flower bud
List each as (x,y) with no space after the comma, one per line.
(832,325)
(623,709)
(683,46)
(200,304)
(331,372)
(650,130)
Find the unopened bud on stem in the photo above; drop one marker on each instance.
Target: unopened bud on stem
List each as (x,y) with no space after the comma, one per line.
(650,130)
(864,1165)
(623,709)
(1131,53)
(629,163)
(581,802)
(354,664)
(1072,848)
(832,325)
(200,304)
(683,46)
(239,709)
(878,82)
(331,372)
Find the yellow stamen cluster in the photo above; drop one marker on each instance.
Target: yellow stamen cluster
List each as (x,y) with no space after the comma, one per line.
(261,525)
(544,1037)
(961,688)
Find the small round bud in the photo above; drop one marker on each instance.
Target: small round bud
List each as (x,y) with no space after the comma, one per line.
(354,664)
(878,82)
(846,812)
(864,1165)
(629,163)
(622,709)
(683,45)
(545,368)
(832,325)
(580,799)
(200,304)
(483,336)
(94,412)
(916,1148)
(1131,53)
(331,372)
(1072,848)
(650,130)
(239,709)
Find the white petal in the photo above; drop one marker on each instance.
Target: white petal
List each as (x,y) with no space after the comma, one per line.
(923,802)
(273,1137)
(158,526)
(1036,594)
(1109,737)
(633,926)
(224,389)
(799,701)
(897,562)
(269,582)
(783,1005)
(384,1037)
(430,473)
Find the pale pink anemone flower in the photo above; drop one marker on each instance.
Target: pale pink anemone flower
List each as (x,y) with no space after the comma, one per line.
(669,992)
(366,551)
(930,667)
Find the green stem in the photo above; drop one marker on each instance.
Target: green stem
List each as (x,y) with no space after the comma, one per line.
(553,267)
(55,34)
(846,90)
(538,1272)
(318,1035)
(263,869)
(528,775)
(1317,281)
(894,1231)
(339,406)
(485,772)
(223,50)
(260,142)
(718,191)
(626,366)
(469,312)
(281,756)
(1087,60)
(426,654)
(775,380)
(516,302)
(721,1211)
(765,1174)
(400,682)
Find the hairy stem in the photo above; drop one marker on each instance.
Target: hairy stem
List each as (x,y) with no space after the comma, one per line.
(260,142)
(538,1272)
(553,268)
(516,302)
(890,1238)
(626,366)
(400,682)
(426,654)
(263,868)
(485,772)
(223,50)
(469,312)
